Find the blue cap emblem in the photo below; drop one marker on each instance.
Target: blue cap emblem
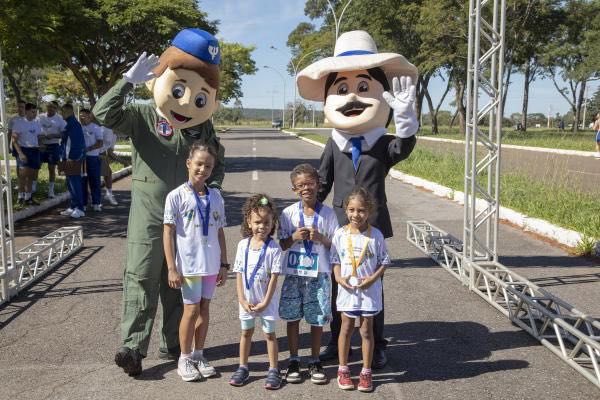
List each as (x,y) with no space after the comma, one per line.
(199,44)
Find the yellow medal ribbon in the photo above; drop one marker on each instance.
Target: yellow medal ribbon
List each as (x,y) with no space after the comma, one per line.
(356,263)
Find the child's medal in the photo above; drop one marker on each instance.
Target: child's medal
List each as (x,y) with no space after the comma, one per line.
(204,218)
(307,260)
(354,281)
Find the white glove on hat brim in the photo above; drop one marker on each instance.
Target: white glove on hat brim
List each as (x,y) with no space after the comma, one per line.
(141,71)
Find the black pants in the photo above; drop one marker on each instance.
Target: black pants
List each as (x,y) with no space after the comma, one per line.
(336,323)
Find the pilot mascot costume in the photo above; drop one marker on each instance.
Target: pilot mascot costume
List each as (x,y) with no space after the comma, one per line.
(355,85)
(184,82)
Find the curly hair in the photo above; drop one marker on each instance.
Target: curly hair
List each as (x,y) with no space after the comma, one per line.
(364,196)
(304,169)
(255,203)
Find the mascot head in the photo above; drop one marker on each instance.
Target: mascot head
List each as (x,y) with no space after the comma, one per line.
(352,82)
(187,79)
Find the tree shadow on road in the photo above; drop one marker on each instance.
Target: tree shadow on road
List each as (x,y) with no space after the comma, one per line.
(46,287)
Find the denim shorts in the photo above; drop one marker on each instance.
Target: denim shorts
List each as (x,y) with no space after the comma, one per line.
(303,296)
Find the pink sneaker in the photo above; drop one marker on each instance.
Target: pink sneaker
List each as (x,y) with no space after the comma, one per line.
(344,380)
(365,383)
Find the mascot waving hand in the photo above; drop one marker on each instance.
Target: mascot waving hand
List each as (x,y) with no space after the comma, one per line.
(184,82)
(355,86)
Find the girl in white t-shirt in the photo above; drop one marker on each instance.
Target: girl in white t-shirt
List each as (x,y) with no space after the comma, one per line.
(258,264)
(359,258)
(193,224)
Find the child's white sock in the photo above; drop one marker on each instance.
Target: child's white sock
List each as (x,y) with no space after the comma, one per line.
(184,356)
(365,371)
(244,366)
(33,186)
(343,368)
(109,192)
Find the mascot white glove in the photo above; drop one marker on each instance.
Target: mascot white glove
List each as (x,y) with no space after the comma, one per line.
(402,102)
(141,71)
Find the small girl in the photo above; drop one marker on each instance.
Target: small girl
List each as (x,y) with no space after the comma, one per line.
(359,258)
(193,224)
(258,264)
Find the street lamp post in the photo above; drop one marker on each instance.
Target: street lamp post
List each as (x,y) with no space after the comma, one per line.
(335,19)
(295,68)
(283,108)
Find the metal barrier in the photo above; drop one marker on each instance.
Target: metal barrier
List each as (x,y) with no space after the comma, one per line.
(567,332)
(37,259)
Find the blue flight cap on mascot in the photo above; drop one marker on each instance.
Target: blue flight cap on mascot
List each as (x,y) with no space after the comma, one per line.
(199,44)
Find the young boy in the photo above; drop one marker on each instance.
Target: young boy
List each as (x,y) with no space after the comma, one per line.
(305,231)
(25,134)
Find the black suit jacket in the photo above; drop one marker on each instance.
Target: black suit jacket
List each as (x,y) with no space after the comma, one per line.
(336,171)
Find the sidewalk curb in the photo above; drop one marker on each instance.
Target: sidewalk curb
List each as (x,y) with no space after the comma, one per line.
(541,227)
(48,204)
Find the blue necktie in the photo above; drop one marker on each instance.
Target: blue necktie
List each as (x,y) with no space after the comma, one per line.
(356,148)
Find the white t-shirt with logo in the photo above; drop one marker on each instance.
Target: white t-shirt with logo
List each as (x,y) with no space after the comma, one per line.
(92,133)
(197,255)
(51,126)
(258,289)
(27,132)
(108,139)
(289,221)
(376,254)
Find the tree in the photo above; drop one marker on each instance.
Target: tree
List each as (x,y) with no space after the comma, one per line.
(63,85)
(529,37)
(567,52)
(99,40)
(235,62)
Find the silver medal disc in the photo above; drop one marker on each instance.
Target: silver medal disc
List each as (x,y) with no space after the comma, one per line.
(307,261)
(353,281)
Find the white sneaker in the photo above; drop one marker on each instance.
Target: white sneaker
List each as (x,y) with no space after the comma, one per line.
(187,370)
(111,199)
(205,369)
(67,212)
(97,207)
(77,213)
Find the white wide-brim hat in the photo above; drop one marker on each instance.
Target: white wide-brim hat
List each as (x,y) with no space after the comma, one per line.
(354,50)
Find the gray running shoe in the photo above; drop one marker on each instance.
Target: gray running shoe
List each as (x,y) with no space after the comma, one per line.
(187,370)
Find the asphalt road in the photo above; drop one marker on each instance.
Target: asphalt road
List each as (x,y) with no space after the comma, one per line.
(58,339)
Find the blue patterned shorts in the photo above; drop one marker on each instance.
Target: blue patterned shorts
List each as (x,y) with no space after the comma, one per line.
(306,297)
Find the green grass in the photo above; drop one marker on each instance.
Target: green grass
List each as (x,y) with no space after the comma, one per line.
(40,195)
(553,202)
(534,137)
(556,203)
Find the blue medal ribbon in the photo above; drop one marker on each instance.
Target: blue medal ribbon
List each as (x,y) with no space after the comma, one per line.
(261,256)
(204,218)
(308,244)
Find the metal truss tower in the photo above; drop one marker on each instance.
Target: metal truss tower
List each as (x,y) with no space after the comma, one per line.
(7,235)
(483,129)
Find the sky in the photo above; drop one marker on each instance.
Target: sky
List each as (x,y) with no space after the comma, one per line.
(266,23)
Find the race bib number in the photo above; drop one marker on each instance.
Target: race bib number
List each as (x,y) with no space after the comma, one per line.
(298,263)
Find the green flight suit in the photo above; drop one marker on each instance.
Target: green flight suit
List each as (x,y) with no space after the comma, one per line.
(158,167)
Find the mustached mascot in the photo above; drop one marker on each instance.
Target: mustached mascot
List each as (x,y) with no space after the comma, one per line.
(355,87)
(184,82)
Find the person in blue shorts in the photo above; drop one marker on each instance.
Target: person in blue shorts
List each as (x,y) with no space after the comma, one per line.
(50,150)
(25,134)
(305,232)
